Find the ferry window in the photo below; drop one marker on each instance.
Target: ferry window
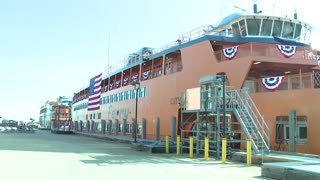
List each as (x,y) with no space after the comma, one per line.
(235,29)
(143,92)
(118,97)
(243,28)
(283,129)
(99,115)
(297,32)
(253,26)
(304,34)
(94,116)
(111,98)
(122,96)
(157,70)
(133,94)
(107,99)
(284,85)
(129,94)
(303,132)
(295,82)
(277,27)
(266,27)
(288,29)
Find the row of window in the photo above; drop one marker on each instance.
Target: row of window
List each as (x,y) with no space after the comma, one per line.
(117,97)
(282,130)
(111,127)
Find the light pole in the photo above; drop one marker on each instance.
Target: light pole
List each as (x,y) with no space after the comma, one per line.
(136,85)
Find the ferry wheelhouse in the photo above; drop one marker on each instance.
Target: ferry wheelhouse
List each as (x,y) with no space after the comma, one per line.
(251,76)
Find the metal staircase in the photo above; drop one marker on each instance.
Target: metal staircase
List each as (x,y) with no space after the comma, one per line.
(250,119)
(253,125)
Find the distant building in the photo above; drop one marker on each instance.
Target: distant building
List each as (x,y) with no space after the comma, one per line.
(55,110)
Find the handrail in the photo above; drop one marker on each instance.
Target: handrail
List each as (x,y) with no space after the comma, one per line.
(259,118)
(256,117)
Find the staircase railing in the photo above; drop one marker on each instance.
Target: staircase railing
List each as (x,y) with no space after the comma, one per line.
(251,120)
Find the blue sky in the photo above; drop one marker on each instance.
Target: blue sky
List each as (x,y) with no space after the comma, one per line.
(52,48)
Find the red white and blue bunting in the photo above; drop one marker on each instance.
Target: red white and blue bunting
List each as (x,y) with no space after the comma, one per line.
(110,86)
(230,52)
(272,83)
(117,83)
(146,75)
(287,50)
(135,77)
(125,81)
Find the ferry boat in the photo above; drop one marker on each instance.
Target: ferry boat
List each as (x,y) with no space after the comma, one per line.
(251,76)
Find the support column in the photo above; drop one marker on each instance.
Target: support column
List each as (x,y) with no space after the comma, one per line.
(110,126)
(92,126)
(292,130)
(124,127)
(158,129)
(144,128)
(103,126)
(173,128)
(198,135)
(117,126)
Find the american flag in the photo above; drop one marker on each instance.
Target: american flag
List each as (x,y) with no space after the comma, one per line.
(94,93)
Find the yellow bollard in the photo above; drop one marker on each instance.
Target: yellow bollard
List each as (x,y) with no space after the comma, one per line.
(167,144)
(248,152)
(191,147)
(178,145)
(224,150)
(206,148)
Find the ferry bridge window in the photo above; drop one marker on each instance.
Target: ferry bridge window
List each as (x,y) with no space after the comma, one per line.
(236,29)
(277,27)
(243,28)
(266,27)
(288,29)
(253,26)
(297,32)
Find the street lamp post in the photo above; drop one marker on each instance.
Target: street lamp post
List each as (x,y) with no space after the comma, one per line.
(136,85)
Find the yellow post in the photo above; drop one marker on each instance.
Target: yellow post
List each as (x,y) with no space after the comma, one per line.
(191,147)
(248,152)
(178,145)
(224,150)
(167,144)
(206,148)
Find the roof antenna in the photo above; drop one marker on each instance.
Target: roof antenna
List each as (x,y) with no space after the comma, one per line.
(295,14)
(255,7)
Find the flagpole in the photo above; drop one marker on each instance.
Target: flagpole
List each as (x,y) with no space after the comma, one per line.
(108,68)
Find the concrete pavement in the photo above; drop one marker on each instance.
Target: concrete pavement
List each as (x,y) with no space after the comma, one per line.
(57,156)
